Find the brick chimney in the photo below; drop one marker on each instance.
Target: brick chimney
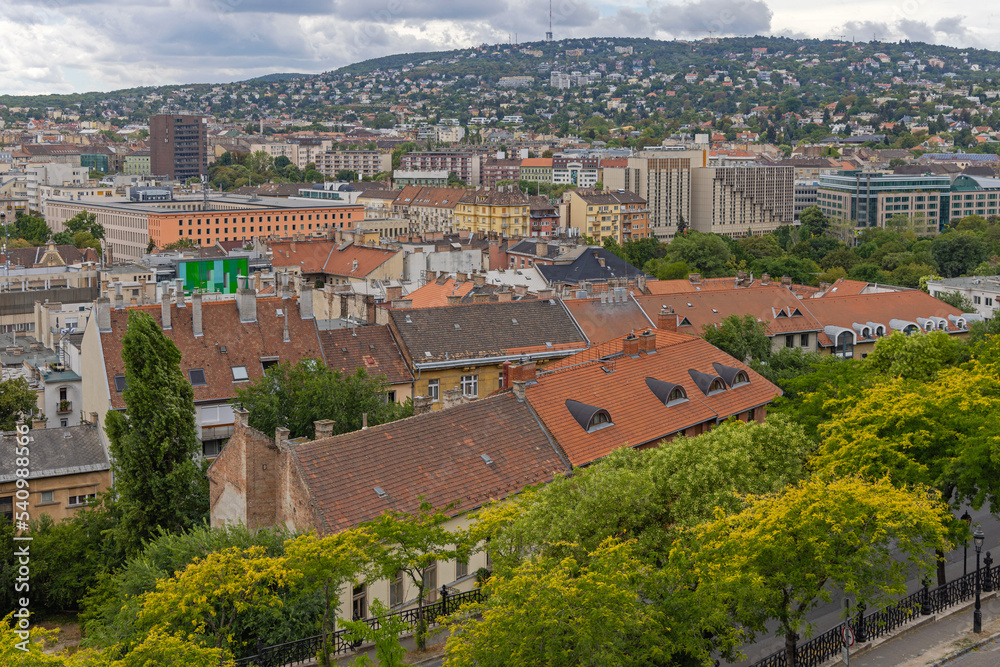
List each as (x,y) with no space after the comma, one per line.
(431,276)
(667,319)
(647,341)
(165,308)
(786,281)
(119,299)
(196,313)
(37,424)
(393,292)
(523,372)
(694,277)
(180,293)
(519,386)
(461,277)
(421,405)
(765,279)
(630,345)
(545,293)
(452,397)
(480,298)
(324,428)
(479,279)
(454,299)
(504,296)
(280,436)
(402,303)
(541,249)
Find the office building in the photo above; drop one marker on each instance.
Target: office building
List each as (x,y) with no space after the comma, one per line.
(178,146)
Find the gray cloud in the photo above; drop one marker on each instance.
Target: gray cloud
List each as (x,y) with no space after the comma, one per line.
(916,31)
(391,11)
(726,17)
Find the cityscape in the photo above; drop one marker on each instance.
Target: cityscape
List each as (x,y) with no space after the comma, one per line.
(465,341)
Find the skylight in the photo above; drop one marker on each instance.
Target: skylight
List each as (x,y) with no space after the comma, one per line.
(240,373)
(197,377)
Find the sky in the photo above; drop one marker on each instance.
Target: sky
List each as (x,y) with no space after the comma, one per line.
(65,46)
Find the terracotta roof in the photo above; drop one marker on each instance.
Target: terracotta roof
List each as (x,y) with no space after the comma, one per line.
(436,293)
(341,261)
(437,457)
(245,343)
(638,416)
(371,348)
(603,321)
(845,287)
(780,310)
(310,256)
(328,257)
(483,330)
(536,162)
(845,311)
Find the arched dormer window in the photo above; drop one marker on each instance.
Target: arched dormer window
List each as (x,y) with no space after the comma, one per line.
(733,377)
(708,384)
(717,385)
(589,417)
(667,393)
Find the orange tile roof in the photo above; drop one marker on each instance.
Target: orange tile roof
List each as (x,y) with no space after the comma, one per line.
(436,293)
(637,416)
(604,321)
(844,311)
(695,310)
(342,261)
(536,162)
(370,347)
(845,287)
(310,256)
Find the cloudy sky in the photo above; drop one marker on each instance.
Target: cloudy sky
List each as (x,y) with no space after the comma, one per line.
(61,46)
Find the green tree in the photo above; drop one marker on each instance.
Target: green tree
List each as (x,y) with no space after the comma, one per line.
(813,222)
(31,228)
(957,253)
(259,162)
(742,337)
(957,300)
(384,121)
(918,357)
(180,244)
(384,635)
(294,396)
(346,175)
(18,401)
(780,557)
(664,269)
(153,441)
(705,253)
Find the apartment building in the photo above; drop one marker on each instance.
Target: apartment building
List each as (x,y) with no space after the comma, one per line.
(578,170)
(495,170)
(363,163)
(178,146)
(536,170)
(301,151)
(741,201)
(620,215)
(464,164)
(500,212)
(428,209)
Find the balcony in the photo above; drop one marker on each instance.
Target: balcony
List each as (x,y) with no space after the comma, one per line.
(64,407)
(217,432)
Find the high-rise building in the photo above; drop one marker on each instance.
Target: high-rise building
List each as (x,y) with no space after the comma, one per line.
(178,146)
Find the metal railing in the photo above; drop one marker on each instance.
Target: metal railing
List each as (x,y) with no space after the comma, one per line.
(304,650)
(924,602)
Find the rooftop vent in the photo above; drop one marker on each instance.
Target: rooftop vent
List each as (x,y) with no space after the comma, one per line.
(487,459)
(380,492)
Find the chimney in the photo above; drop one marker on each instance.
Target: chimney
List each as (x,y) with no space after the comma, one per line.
(454,299)
(545,293)
(519,389)
(246,301)
(452,397)
(195,313)
(647,341)
(421,405)
(667,319)
(165,308)
(523,372)
(823,287)
(180,293)
(324,428)
(630,345)
(461,277)
(37,424)
(480,298)
(402,303)
(119,299)
(786,281)
(765,279)
(479,279)
(694,277)
(280,436)
(741,277)
(504,297)
(541,249)
(432,276)
(285,335)
(103,314)
(364,421)
(306,301)
(393,292)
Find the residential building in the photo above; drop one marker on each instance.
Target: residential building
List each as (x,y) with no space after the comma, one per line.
(372,349)
(573,169)
(544,217)
(982,291)
(432,179)
(805,196)
(361,162)
(137,163)
(337,263)
(300,151)
(457,353)
(974,195)
(428,209)
(464,164)
(495,170)
(69,467)
(620,215)
(494,212)
(178,146)
(741,201)
(377,202)
(536,170)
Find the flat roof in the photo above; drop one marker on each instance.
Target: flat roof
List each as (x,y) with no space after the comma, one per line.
(245,203)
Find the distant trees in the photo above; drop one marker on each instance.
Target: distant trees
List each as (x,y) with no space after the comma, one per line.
(742,337)
(31,228)
(82,231)
(18,401)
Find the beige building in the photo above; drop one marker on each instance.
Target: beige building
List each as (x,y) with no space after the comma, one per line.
(741,201)
(429,209)
(364,163)
(300,153)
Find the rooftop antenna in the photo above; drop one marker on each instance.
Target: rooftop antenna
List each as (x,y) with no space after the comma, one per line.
(548,35)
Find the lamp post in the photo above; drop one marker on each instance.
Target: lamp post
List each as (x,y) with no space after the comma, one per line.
(977,616)
(967,518)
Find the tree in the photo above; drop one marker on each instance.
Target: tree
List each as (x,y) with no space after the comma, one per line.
(742,337)
(208,597)
(83,222)
(957,300)
(153,441)
(705,253)
(409,544)
(384,121)
(294,396)
(813,222)
(18,401)
(384,635)
(957,253)
(664,269)
(259,162)
(920,356)
(31,228)
(180,244)
(779,555)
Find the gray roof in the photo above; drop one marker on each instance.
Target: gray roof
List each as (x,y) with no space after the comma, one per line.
(54,452)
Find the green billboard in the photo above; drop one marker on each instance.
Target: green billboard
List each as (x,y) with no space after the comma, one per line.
(213,275)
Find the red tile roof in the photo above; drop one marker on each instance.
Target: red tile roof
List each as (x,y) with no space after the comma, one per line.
(844,311)
(245,343)
(328,257)
(436,293)
(638,416)
(371,348)
(437,457)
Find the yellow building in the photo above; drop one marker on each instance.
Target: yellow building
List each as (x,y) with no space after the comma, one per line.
(501,212)
(622,215)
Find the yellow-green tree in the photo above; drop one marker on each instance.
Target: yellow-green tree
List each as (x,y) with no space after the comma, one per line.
(780,555)
(204,601)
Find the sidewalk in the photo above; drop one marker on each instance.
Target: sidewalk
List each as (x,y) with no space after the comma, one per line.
(932,641)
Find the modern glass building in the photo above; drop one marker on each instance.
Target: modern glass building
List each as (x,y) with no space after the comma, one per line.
(869,199)
(217,275)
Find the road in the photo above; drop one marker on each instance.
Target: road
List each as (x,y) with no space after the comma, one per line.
(828,615)
(987,656)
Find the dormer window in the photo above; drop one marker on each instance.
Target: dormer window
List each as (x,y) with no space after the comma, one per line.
(733,377)
(666,392)
(708,384)
(601,417)
(589,417)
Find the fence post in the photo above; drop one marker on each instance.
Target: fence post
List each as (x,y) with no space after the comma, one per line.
(988,578)
(444,599)
(925,600)
(860,635)
(260,651)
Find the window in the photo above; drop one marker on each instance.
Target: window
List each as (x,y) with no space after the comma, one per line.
(805,340)
(359,602)
(267,363)
(500,382)
(430,582)
(64,422)
(212,448)
(7,507)
(240,373)
(461,568)
(989,301)
(789,341)
(470,386)
(600,418)
(197,377)
(81,499)
(120,383)
(976,300)
(47,497)
(434,390)
(391,397)
(396,590)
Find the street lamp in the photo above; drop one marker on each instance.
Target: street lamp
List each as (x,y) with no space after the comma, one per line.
(977,616)
(967,518)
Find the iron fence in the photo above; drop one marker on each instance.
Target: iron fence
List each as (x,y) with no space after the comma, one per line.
(303,650)
(924,602)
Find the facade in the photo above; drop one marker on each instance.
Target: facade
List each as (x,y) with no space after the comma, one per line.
(982,291)
(544,217)
(429,209)
(620,215)
(178,146)
(495,212)
(432,179)
(536,169)
(337,263)
(301,152)
(805,197)
(741,201)
(494,170)
(363,163)
(465,165)
(869,199)
(578,170)
(137,163)
(974,195)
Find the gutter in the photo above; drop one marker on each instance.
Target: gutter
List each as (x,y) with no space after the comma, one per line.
(477,361)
